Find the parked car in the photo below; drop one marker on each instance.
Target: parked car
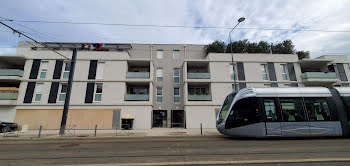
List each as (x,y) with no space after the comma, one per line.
(7,127)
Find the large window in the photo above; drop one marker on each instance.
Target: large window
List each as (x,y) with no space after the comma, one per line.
(159,54)
(264,72)
(292,110)
(284,71)
(270,110)
(176,95)
(98,92)
(100,70)
(159,95)
(176,54)
(317,109)
(176,75)
(226,106)
(159,74)
(43,69)
(63,91)
(38,92)
(198,91)
(243,112)
(66,69)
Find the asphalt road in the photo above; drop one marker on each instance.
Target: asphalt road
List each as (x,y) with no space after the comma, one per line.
(170,149)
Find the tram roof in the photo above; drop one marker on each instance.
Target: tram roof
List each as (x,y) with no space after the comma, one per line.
(343,91)
(284,92)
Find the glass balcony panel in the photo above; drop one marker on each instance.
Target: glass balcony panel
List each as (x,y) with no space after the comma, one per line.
(137,75)
(11,72)
(8,96)
(199,97)
(136,97)
(319,75)
(198,75)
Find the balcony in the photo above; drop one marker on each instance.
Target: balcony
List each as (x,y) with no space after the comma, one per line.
(198,75)
(136,97)
(8,93)
(137,75)
(11,72)
(319,78)
(203,97)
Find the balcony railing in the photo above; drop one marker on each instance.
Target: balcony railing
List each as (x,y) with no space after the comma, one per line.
(8,95)
(136,97)
(198,75)
(319,75)
(199,97)
(11,72)
(137,75)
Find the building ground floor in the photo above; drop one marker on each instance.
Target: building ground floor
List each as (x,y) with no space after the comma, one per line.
(110,117)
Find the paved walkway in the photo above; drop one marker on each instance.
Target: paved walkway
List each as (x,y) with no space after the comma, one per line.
(110,133)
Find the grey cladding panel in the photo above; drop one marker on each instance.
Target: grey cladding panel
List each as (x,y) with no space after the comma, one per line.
(58,69)
(35,69)
(291,72)
(240,68)
(92,69)
(89,96)
(271,69)
(53,92)
(29,92)
(341,71)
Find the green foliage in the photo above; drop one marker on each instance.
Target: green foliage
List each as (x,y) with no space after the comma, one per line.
(285,47)
(303,54)
(216,46)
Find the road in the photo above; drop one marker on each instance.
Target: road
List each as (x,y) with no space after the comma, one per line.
(192,150)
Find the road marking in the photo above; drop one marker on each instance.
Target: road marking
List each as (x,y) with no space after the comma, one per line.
(230,162)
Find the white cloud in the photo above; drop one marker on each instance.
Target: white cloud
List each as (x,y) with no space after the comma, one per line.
(311,14)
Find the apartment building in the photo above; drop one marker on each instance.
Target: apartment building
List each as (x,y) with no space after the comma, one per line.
(159,85)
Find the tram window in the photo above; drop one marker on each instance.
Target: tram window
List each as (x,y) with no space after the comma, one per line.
(270,110)
(317,109)
(292,110)
(245,110)
(226,106)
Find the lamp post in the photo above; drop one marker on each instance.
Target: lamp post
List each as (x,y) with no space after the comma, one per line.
(233,67)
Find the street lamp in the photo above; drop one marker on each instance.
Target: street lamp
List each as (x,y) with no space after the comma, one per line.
(233,67)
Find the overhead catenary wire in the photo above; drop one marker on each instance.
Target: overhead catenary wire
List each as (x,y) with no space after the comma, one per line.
(43,44)
(173,26)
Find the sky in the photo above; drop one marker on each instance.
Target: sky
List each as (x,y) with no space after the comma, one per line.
(298,15)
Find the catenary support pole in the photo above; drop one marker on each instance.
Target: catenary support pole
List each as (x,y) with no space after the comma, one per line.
(69,89)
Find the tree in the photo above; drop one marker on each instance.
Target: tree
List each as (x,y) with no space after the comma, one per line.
(303,54)
(285,47)
(264,47)
(216,46)
(238,46)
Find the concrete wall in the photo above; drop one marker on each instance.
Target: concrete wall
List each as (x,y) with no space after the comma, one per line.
(7,113)
(195,115)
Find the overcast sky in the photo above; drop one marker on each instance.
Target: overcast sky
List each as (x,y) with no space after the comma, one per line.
(331,15)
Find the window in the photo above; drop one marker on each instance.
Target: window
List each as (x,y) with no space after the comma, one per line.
(138,90)
(63,91)
(159,54)
(231,72)
(177,95)
(317,109)
(264,72)
(100,70)
(159,95)
(43,69)
(284,71)
(176,75)
(270,110)
(38,92)
(198,91)
(176,54)
(244,112)
(226,106)
(66,69)
(286,85)
(159,74)
(292,110)
(98,92)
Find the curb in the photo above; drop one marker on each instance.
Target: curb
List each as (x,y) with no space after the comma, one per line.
(232,162)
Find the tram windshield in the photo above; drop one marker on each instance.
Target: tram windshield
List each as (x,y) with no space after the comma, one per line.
(226,106)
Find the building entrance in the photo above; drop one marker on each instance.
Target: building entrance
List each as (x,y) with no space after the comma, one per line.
(159,118)
(177,118)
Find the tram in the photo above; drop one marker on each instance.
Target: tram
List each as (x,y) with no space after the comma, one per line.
(286,112)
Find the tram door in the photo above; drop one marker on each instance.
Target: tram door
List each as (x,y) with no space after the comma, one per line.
(272,120)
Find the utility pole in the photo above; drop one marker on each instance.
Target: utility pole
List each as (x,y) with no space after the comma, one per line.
(69,89)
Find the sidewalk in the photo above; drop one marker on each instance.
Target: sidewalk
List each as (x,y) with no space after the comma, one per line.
(81,133)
